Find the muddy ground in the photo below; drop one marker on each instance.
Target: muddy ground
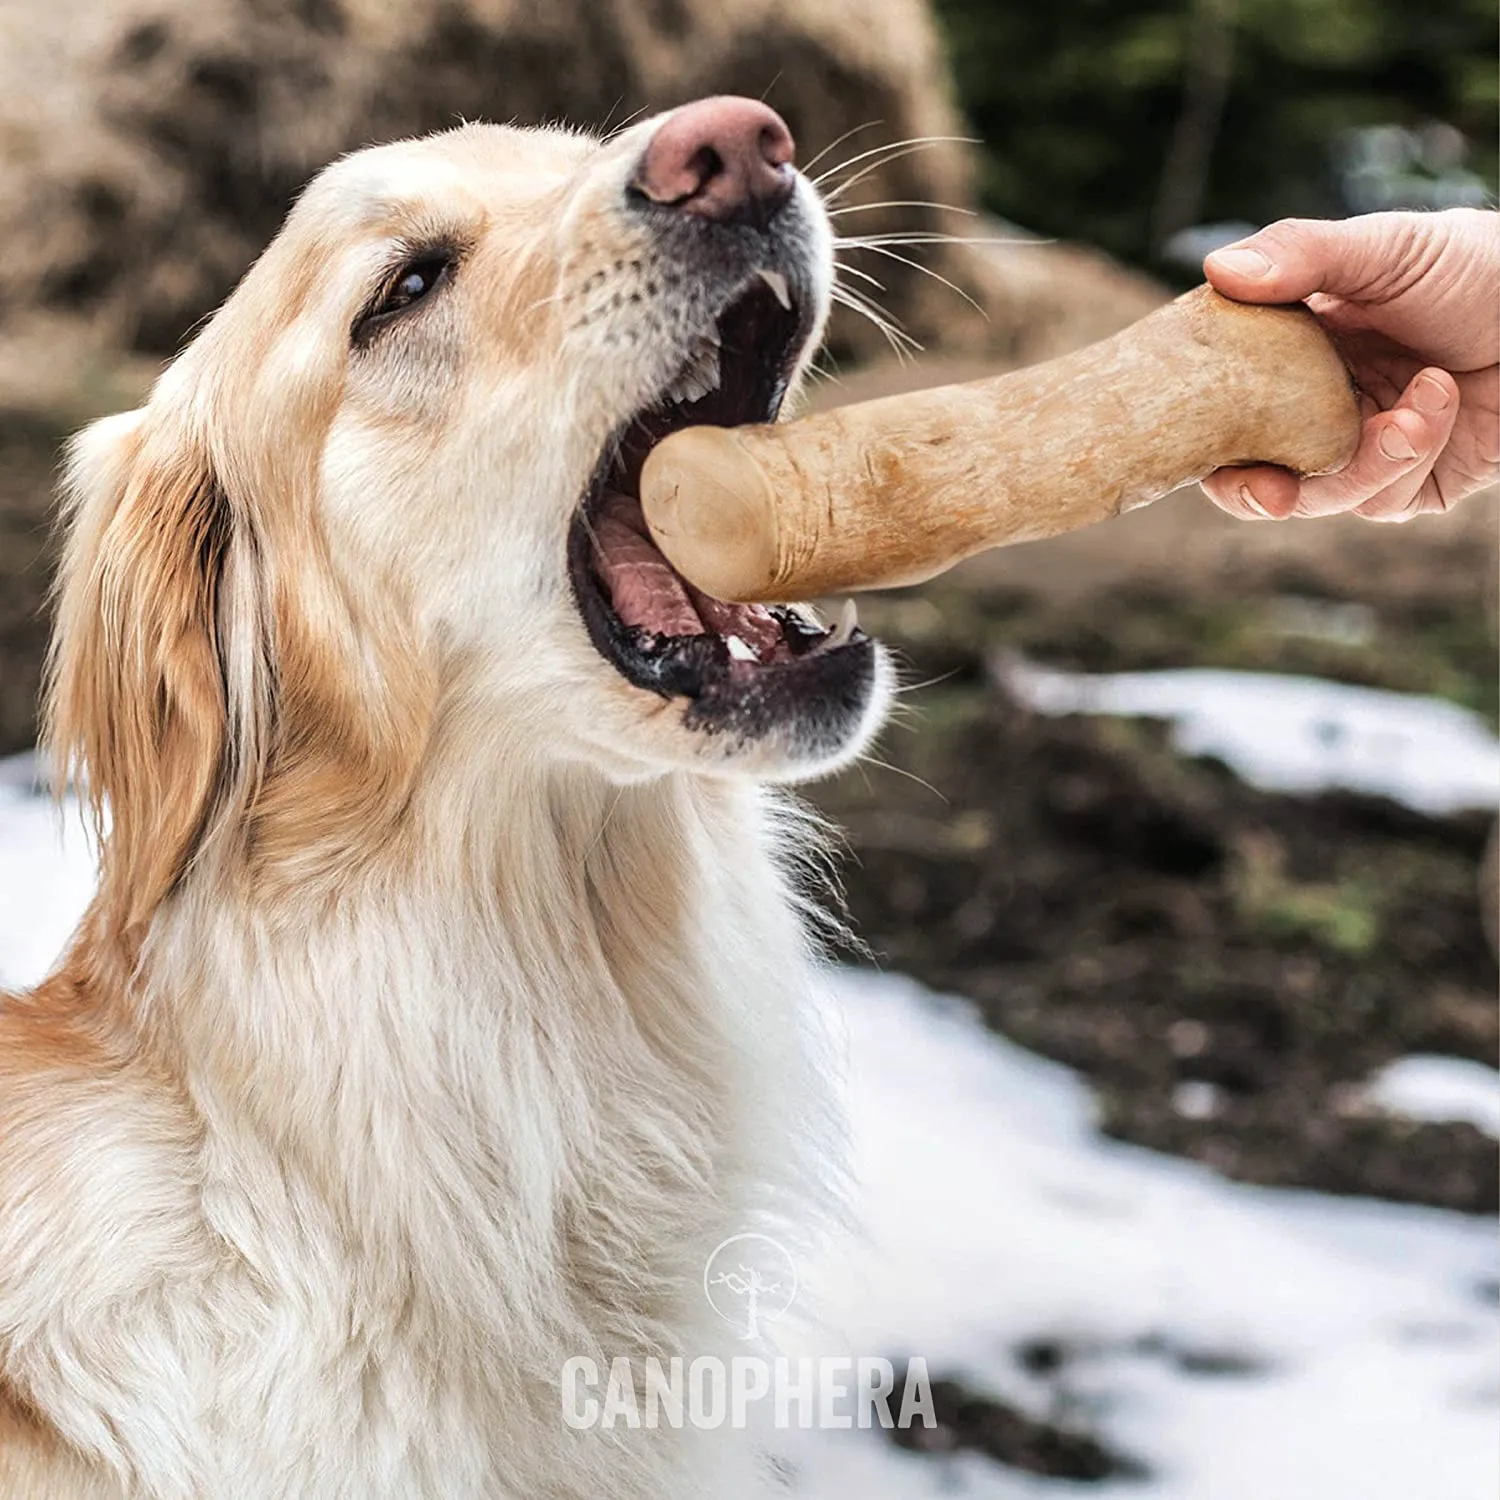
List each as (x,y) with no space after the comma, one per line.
(27,458)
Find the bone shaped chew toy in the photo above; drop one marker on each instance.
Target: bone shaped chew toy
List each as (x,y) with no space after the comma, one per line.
(895,490)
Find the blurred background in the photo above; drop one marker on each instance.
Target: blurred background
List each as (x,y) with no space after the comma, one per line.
(1195,809)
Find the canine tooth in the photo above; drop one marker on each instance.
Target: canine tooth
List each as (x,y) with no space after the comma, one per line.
(848,619)
(777,282)
(739,650)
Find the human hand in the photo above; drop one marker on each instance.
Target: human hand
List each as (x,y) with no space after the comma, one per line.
(1412,302)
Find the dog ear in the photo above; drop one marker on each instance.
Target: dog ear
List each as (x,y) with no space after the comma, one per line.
(157,687)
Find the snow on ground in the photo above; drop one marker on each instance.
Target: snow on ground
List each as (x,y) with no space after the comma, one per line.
(1438,1088)
(1293,734)
(995,1214)
(46,874)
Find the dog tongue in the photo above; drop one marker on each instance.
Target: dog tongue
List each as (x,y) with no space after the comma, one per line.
(750,622)
(642,586)
(647,592)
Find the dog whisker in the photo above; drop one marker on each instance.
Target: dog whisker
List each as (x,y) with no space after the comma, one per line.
(895,149)
(845,269)
(921,237)
(834,144)
(864,208)
(885,765)
(903,345)
(885,250)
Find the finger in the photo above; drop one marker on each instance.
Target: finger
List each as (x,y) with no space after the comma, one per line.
(1254,493)
(1397,447)
(1362,258)
(1396,455)
(1418,491)
(1412,496)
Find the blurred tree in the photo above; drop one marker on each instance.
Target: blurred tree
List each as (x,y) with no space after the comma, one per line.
(1208,68)
(1117,121)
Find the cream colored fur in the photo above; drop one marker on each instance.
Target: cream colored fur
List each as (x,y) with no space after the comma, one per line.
(445,1000)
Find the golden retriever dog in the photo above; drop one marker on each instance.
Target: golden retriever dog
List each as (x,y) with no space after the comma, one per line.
(445,999)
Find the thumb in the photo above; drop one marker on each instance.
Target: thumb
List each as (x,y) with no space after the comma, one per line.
(1363,259)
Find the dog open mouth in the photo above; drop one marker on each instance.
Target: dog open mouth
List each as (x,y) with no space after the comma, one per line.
(739,664)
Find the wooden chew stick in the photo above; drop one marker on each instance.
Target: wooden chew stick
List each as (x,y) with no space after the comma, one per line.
(896,490)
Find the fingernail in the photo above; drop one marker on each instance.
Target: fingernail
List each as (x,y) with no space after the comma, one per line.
(1243,262)
(1248,499)
(1396,445)
(1429,395)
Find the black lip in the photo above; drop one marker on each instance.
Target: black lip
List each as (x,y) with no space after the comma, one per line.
(822,689)
(824,695)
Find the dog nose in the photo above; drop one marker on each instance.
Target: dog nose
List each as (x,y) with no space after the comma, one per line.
(726,159)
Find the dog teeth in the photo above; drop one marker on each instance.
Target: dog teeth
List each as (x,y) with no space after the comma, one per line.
(739,650)
(777,282)
(848,619)
(700,374)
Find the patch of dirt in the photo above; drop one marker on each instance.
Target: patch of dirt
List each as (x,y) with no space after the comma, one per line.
(26,465)
(971,1420)
(1225,964)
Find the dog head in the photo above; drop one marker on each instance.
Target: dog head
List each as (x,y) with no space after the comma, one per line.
(386,499)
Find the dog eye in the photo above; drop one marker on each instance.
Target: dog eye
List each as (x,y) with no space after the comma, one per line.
(415,280)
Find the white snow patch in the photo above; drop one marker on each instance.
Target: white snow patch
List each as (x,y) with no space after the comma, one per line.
(46,874)
(996,1215)
(1293,734)
(1438,1088)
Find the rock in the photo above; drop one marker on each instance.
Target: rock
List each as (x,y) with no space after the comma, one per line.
(152,147)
